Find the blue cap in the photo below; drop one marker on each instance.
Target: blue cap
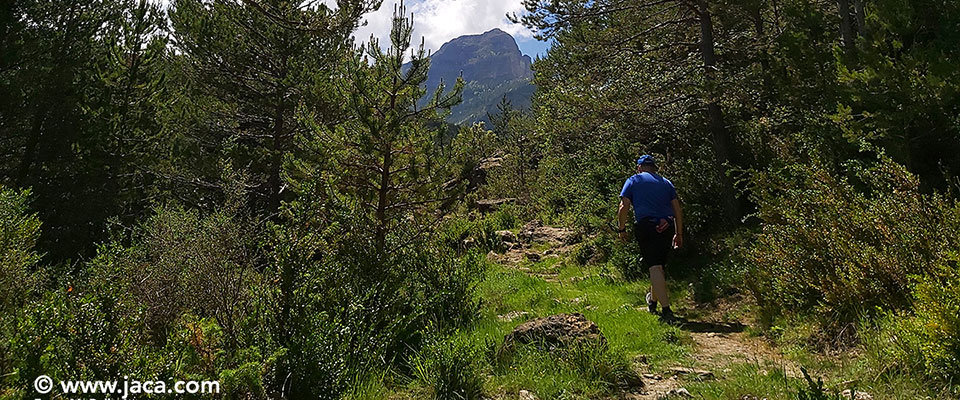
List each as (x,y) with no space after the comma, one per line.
(646,159)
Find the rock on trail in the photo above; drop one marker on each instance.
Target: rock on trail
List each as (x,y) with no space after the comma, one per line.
(555,331)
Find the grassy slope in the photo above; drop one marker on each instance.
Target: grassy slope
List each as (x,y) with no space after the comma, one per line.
(637,341)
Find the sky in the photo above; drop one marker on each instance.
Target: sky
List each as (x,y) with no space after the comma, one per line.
(439,21)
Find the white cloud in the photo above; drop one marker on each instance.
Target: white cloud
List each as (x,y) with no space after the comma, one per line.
(439,21)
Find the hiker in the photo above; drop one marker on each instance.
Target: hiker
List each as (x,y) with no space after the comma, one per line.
(658,225)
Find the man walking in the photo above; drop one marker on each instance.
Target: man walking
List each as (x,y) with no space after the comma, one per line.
(658,225)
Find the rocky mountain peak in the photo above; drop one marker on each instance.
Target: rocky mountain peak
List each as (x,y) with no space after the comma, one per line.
(492,66)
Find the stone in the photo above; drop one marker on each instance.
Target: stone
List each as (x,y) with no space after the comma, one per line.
(535,232)
(532,256)
(632,380)
(512,315)
(506,236)
(527,395)
(691,371)
(849,394)
(555,331)
(680,392)
(488,205)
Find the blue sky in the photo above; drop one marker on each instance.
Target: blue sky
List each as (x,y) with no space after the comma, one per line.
(439,21)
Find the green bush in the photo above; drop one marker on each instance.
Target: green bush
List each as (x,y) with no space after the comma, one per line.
(596,250)
(75,333)
(815,390)
(19,232)
(840,247)
(937,308)
(351,310)
(627,259)
(450,368)
(463,234)
(181,261)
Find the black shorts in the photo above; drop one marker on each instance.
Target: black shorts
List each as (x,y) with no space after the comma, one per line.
(654,246)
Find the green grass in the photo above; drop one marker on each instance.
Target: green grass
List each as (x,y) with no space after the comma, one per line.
(593,372)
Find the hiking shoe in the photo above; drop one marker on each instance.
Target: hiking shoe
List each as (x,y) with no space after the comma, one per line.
(667,316)
(651,303)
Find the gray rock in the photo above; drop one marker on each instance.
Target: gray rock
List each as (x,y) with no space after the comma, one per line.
(555,331)
(489,205)
(691,371)
(849,394)
(507,236)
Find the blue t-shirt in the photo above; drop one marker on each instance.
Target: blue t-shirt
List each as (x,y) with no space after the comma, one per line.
(651,195)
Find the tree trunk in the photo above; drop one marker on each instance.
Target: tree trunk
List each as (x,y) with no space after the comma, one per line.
(861,15)
(276,161)
(382,199)
(718,130)
(32,146)
(846,28)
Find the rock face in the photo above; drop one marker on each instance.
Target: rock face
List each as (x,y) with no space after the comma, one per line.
(491,57)
(535,232)
(492,66)
(555,331)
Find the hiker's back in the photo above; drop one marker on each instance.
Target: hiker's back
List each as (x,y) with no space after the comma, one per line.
(650,194)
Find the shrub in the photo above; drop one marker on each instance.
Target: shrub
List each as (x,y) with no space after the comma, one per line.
(815,389)
(463,234)
(183,262)
(937,308)
(72,333)
(19,232)
(628,261)
(838,247)
(451,369)
(598,250)
(351,310)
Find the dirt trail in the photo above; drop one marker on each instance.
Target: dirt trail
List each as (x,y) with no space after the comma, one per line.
(717,343)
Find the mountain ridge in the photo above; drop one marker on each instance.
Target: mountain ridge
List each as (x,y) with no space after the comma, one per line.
(492,66)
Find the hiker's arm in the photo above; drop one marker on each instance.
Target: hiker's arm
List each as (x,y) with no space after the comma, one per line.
(622,214)
(678,215)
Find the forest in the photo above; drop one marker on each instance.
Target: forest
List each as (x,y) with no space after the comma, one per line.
(239,191)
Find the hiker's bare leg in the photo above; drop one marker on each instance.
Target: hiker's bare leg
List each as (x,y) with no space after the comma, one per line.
(658,284)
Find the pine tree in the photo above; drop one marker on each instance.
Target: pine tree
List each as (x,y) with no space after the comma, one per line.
(245,67)
(79,87)
(387,154)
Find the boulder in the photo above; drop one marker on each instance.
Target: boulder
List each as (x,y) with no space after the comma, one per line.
(555,331)
(527,395)
(535,232)
(489,205)
(858,395)
(506,236)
